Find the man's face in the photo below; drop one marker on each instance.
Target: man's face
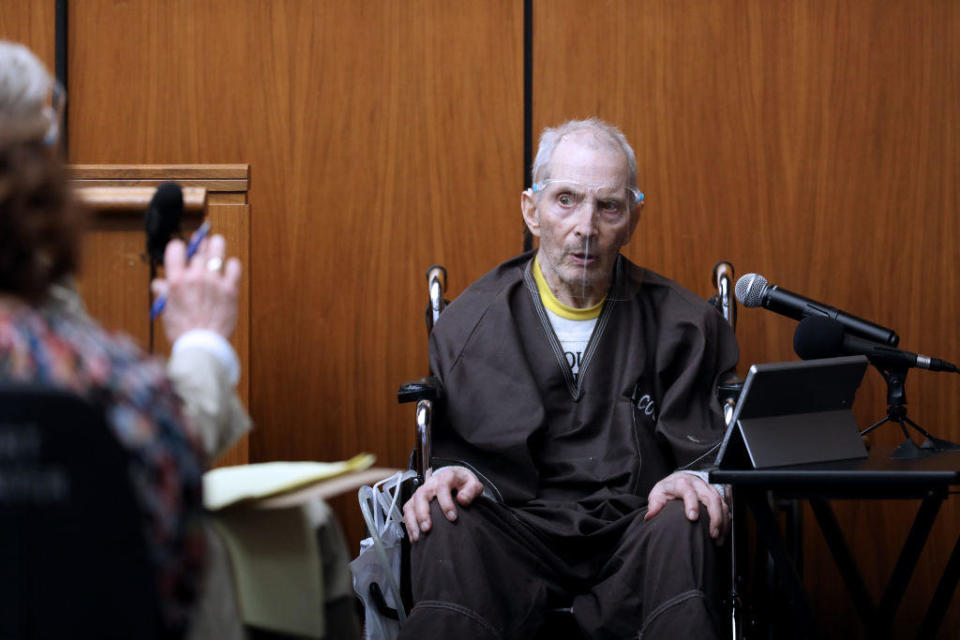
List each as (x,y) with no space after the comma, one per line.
(582,214)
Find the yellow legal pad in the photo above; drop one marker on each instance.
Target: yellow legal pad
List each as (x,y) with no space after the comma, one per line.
(230,485)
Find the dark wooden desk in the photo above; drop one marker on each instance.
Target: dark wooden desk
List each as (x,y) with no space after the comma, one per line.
(873,478)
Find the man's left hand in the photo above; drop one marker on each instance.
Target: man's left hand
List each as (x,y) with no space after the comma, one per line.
(693,491)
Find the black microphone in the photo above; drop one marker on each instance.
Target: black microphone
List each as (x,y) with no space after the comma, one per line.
(753,291)
(821,337)
(162,219)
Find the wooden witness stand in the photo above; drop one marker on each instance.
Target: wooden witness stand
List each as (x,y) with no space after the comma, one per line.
(115,273)
(114,282)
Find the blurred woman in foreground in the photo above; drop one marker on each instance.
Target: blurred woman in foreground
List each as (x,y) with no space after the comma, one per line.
(44,341)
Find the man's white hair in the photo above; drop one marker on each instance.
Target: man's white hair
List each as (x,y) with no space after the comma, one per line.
(552,136)
(25,87)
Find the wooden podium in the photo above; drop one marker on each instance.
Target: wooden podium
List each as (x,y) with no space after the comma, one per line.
(114,276)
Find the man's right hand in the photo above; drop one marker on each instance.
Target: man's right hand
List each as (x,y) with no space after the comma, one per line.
(440,485)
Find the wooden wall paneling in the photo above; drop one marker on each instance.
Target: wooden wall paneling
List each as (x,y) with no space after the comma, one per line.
(32,23)
(382,137)
(233,222)
(814,143)
(105,199)
(114,277)
(114,274)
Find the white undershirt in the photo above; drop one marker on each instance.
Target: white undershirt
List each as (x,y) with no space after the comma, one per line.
(573,336)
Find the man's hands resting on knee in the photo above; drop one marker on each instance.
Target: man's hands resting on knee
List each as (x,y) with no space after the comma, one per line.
(444,483)
(440,485)
(693,491)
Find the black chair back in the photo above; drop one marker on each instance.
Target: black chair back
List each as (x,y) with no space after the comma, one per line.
(73,561)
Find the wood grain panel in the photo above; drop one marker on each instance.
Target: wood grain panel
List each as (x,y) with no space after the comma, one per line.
(233,222)
(812,142)
(32,23)
(206,173)
(382,137)
(115,274)
(123,200)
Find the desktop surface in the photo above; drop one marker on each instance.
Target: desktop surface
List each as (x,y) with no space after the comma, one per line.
(877,471)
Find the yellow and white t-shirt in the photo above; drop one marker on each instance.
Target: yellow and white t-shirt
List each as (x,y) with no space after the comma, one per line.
(572,325)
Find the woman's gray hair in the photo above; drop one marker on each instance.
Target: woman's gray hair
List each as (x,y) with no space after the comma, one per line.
(25,87)
(552,136)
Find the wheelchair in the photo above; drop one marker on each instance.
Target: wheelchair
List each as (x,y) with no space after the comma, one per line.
(426,393)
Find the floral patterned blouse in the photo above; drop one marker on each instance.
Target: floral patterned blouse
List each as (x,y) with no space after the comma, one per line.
(49,346)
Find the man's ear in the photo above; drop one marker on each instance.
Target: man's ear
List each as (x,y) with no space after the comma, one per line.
(531,217)
(634,221)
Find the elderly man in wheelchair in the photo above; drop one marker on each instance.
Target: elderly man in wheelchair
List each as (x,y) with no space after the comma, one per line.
(578,400)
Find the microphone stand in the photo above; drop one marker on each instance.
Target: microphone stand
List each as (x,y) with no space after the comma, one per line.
(896,378)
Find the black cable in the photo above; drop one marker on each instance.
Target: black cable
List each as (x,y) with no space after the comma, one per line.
(527,108)
(61,50)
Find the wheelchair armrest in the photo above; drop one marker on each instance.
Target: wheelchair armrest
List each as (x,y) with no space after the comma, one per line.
(729,386)
(416,390)
(425,392)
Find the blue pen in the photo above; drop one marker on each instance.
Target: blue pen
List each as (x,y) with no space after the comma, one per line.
(195,241)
